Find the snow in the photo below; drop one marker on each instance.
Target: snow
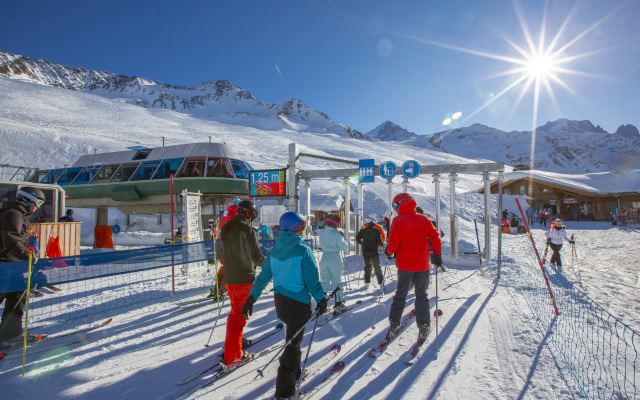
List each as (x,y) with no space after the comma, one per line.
(490,344)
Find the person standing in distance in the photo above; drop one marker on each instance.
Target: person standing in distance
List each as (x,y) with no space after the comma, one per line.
(14,246)
(370,239)
(294,271)
(409,240)
(554,239)
(332,244)
(241,254)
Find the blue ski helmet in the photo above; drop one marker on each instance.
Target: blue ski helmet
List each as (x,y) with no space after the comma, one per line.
(236,201)
(292,221)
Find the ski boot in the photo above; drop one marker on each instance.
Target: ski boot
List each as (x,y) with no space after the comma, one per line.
(393,329)
(246,356)
(339,308)
(423,332)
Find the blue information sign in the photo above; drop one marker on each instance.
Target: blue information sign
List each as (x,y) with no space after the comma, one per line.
(115,229)
(388,170)
(411,169)
(366,170)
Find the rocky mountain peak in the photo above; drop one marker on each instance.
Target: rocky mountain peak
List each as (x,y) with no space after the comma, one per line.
(628,131)
(388,131)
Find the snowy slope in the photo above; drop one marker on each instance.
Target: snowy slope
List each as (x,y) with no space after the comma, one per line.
(215,100)
(490,346)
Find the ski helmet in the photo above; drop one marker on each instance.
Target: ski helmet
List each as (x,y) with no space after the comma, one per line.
(399,199)
(236,201)
(419,210)
(332,220)
(246,208)
(292,221)
(30,195)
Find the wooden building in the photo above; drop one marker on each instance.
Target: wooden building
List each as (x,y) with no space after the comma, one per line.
(589,196)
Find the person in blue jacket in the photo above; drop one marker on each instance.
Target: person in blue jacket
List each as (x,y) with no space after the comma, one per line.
(332,244)
(294,271)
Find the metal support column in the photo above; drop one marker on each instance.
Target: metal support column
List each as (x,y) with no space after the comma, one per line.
(487,216)
(390,186)
(359,217)
(307,206)
(405,182)
(453,217)
(293,178)
(436,181)
(499,222)
(347,215)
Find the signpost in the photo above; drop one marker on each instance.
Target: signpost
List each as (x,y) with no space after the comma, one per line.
(366,170)
(266,183)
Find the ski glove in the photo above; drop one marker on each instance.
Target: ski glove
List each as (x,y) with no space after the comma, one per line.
(437,260)
(389,256)
(247,307)
(322,306)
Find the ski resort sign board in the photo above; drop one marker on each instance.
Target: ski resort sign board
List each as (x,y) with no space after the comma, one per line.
(266,183)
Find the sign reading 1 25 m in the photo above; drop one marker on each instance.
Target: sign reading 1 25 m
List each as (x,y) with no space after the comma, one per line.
(267,183)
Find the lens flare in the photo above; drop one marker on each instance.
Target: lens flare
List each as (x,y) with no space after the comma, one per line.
(446,121)
(456,115)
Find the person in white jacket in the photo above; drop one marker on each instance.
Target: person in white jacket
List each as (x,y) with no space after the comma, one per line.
(332,244)
(555,238)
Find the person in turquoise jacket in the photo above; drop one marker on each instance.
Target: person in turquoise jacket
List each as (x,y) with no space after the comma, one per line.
(332,244)
(294,271)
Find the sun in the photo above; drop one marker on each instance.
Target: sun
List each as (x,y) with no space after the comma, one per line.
(540,66)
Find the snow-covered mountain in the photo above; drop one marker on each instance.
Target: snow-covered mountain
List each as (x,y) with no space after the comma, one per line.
(560,146)
(217,100)
(388,131)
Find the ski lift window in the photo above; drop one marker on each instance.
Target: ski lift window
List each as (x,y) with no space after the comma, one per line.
(193,167)
(38,176)
(105,173)
(86,175)
(241,169)
(68,176)
(141,154)
(219,168)
(146,170)
(53,175)
(124,172)
(168,167)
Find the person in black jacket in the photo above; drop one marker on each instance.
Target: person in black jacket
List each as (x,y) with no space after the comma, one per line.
(370,239)
(14,246)
(241,254)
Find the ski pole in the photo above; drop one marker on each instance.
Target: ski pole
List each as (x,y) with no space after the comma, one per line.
(437,344)
(346,272)
(304,364)
(375,318)
(26,316)
(216,323)
(260,370)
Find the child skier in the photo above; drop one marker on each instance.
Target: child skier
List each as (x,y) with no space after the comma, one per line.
(331,265)
(294,271)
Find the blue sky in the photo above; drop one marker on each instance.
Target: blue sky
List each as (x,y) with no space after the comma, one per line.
(361,62)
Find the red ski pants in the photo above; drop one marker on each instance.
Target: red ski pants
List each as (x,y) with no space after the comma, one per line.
(238,294)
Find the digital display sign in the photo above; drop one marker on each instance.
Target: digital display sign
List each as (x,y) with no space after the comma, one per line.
(267,183)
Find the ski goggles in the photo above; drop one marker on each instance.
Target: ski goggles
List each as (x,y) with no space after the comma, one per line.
(30,197)
(396,204)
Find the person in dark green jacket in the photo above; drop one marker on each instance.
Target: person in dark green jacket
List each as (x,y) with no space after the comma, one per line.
(294,271)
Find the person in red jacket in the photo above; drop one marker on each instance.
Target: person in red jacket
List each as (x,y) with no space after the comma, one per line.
(409,239)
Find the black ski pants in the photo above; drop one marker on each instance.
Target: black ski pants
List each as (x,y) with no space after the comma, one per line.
(372,261)
(11,325)
(421,280)
(295,315)
(555,257)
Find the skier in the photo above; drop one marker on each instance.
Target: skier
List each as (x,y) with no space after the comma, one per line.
(529,214)
(554,240)
(227,216)
(294,271)
(543,217)
(14,246)
(408,238)
(331,265)
(370,239)
(241,254)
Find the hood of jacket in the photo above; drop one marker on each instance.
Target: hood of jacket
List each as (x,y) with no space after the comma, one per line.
(408,207)
(288,240)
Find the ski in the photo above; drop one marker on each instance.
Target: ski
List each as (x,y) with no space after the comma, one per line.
(251,342)
(382,346)
(218,372)
(37,293)
(46,338)
(314,387)
(319,365)
(192,378)
(416,350)
(333,314)
(54,288)
(189,302)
